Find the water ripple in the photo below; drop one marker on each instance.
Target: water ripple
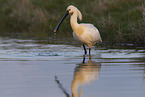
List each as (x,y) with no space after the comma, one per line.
(20,49)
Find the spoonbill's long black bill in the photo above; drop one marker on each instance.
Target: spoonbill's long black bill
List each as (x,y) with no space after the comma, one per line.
(67,12)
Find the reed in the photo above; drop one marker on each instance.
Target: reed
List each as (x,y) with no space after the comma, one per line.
(119,21)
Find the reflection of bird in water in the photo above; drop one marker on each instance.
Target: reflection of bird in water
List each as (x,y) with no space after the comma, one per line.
(61,87)
(84,73)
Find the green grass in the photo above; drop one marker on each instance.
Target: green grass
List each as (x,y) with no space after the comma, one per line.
(119,21)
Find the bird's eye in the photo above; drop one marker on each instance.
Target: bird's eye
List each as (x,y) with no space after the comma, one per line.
(69,9)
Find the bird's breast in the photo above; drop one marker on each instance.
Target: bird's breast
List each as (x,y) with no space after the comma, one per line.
(78,30)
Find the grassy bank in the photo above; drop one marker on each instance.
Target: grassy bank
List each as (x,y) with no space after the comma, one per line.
(119,21)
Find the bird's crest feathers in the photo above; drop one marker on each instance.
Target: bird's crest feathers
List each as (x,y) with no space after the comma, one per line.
(79,15)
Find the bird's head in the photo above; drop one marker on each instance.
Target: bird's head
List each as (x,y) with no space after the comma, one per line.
(70,10)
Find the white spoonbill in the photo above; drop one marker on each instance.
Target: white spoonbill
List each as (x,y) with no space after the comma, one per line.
(85,33)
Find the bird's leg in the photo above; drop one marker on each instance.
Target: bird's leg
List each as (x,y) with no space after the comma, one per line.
(85,49)
(90,57)
(89,51)
(90,46)
(84,59)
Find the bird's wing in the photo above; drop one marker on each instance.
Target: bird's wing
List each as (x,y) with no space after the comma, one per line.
(90,28)
(86,24)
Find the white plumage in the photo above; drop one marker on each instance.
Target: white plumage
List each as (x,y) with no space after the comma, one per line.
(85,33)
(90,35)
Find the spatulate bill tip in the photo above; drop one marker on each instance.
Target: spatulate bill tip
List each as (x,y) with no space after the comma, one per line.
(55,31)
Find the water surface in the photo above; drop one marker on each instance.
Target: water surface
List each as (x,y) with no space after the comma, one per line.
(31,69)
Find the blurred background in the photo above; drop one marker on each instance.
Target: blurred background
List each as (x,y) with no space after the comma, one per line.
(119,21)
(35,62)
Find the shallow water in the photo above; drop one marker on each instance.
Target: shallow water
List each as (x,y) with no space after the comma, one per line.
(31,69)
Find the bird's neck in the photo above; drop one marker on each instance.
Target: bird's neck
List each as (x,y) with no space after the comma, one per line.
(73,21)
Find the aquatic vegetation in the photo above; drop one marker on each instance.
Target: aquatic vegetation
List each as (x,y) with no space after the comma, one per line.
(119,21)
